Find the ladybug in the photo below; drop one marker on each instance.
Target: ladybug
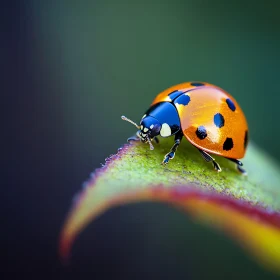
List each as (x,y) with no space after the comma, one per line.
(205,114)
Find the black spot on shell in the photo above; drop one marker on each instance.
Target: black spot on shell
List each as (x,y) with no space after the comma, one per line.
(174,94)
(246,139)
(197,84)
(228,144)
(219,120)
(231,105)
(183,100)
(201,132)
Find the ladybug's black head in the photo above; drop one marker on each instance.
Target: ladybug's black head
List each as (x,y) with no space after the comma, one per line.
(148,129)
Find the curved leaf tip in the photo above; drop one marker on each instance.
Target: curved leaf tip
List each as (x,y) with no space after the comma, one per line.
(245,208)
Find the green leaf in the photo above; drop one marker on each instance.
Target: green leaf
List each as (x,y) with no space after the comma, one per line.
(246,207)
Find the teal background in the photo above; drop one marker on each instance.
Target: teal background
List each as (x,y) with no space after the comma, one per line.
(111,58)
(74,68)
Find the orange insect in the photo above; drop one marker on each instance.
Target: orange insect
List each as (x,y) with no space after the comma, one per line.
(205,114)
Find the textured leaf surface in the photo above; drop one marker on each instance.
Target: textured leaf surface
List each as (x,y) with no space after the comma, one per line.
(247,208)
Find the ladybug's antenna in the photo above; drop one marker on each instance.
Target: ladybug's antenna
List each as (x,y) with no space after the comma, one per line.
(150,143)
(148,139)
(128,120)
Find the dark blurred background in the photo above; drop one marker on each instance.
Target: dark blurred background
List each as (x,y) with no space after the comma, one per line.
(71,69)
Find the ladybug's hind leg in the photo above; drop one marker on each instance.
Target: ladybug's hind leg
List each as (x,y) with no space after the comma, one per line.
(208,158)
(238,165)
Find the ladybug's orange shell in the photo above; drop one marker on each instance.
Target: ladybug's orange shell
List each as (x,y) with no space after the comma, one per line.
(207,104)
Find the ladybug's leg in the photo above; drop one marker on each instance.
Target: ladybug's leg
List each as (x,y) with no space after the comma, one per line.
(208,158)
(238,165)
(133,138)
(171,154)
(156,139)
(136,138)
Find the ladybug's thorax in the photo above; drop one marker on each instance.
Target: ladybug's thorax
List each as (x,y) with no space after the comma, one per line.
(164,117)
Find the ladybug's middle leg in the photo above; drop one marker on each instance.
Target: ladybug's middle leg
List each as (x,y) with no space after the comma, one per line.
(171,154)
(208,158)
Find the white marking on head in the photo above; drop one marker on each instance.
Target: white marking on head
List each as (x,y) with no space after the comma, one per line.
(143,134)
(146,129)
(144,116)
(152,126)
(165,130)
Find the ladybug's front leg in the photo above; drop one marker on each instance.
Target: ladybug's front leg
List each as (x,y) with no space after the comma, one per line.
(133,138)
(171,154)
